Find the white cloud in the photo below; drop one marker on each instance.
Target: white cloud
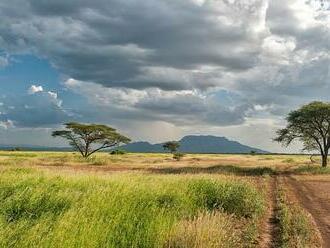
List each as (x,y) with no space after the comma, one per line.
(36,108)
(7,124)
(4,61)
(35,89)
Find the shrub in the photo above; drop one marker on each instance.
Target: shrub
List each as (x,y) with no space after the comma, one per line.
(16,149)
(178,156)
(118,152)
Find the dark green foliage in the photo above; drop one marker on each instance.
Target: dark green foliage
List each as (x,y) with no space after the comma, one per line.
(311,125)
(82,137)
(171,146)
(16,149)
(118,152)
(178,156)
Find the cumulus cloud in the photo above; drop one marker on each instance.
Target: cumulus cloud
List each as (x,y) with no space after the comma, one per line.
(36,108)
(34,89)
(189,107)
(7,124)
(4,61)
(162,44)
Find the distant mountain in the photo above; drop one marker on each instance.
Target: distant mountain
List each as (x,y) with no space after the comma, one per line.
(195,144)
(188,144)
(33,148)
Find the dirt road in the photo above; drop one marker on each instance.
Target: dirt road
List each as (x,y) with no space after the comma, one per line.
(313,193)
(269,237)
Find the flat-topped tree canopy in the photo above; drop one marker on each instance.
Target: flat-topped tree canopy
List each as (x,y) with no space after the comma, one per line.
(172,146)
(311,125)
(90,138)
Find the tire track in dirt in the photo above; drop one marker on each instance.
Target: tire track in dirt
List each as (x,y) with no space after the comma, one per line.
(269,237)
(318,207)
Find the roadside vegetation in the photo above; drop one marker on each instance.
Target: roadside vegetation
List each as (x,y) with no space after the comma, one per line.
(296,227)
(312,170)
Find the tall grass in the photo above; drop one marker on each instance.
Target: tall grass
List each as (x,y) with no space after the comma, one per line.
(314,169)
(211,230)
(39,209)
(296,229)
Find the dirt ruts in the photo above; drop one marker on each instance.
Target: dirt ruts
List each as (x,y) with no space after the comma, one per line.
(270,232)
(314,197)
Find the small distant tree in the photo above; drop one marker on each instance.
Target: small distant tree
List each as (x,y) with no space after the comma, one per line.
(311,125)
(171,146)
(17,149)
(118,152)
(178,156)
(90,138)
(253,152)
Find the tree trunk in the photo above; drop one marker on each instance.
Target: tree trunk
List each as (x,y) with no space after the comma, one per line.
(324,160)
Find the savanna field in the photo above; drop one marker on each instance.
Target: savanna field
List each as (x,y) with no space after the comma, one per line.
(58,199)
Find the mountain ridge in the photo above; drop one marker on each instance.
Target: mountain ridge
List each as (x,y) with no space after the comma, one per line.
(195,144)
(188,144)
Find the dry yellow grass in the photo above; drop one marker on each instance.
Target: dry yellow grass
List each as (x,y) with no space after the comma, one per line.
(206,230)
(160,163)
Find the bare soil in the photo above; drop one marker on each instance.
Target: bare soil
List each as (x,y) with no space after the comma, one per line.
(314,195)
(270,229)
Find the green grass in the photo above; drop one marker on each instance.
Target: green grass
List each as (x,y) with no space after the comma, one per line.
(315,169)
(47,209)
(296,229)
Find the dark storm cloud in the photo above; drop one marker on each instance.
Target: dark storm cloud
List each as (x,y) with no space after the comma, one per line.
(183,108)
(273,54)
(115,42)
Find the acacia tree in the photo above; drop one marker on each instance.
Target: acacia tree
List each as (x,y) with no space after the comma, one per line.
(311,125)
(171,146)
(90,138)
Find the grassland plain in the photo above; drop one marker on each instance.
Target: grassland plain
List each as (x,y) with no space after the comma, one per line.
(53,199)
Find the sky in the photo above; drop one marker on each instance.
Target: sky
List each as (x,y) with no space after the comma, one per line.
(157,70)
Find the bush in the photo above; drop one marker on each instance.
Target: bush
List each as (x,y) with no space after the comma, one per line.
(16,149)
(118,152)
(178,156)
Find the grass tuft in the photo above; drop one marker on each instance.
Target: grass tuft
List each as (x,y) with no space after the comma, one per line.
(207,229)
